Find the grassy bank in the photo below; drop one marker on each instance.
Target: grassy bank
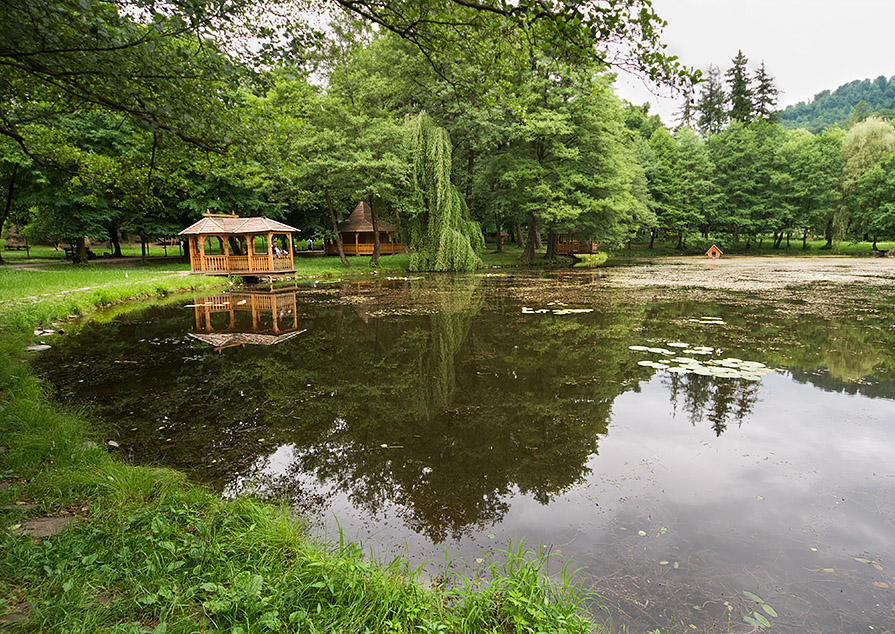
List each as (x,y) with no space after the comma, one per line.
(143,550)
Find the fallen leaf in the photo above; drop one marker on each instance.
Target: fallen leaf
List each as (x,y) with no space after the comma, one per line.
(880,584)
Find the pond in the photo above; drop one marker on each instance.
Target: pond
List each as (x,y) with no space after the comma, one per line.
(712,446)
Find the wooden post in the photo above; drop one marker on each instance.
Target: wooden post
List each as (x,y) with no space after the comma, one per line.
(250,250)
(269,251)
(201,239)
(226,242)
(291,255)
(356,243)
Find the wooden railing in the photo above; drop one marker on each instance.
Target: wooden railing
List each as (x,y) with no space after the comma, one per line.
(385,248)
(566,248)
(240,264)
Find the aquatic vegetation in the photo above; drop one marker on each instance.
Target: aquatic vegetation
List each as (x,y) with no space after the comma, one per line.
(725,368)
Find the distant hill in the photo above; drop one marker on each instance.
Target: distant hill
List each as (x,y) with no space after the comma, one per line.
(829,108)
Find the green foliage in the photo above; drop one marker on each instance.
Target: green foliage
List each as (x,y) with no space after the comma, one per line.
(829,108)
(443,238)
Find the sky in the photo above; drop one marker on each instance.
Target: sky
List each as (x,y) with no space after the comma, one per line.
(807,45)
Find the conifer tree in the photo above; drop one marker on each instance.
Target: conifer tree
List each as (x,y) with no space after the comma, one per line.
(712,102)
(740,95)
(765,95)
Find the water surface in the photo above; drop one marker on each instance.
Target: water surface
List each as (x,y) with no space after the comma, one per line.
(440,417)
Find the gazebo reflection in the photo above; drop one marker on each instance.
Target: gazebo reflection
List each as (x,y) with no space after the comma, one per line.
(253,317)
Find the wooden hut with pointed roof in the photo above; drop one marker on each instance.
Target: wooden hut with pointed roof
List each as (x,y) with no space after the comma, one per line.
(356,234)
(225,244)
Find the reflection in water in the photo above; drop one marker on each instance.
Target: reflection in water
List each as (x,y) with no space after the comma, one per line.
(246,317)
(435,412)
(719,401)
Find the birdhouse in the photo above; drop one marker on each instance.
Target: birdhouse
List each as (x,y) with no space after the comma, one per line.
(714,252)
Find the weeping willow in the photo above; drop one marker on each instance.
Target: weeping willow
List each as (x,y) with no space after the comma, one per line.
(442,237)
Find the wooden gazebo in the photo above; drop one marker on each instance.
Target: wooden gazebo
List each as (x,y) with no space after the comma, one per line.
(356,234)
(222,244)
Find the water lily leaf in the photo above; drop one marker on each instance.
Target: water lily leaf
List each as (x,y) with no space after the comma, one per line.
(676,565)
(663,563)
(491,536)
(861,560)
(641,533)
(829,570)
(759,497)
(813,549)
(752,596)
(677,344)
(771,611)
(648,364)
(638,348)
(662,531)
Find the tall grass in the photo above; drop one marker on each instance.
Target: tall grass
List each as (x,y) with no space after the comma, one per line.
(151,552)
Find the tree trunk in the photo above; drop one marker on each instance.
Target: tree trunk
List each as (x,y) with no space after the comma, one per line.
(375,257)
(788,238)
(7,208)
(551,244)
(874,243)
(497,220)
(539,244)
(143,247)
(469,166)
(80,253)
(114,242)
(528,254)
(332,218)
(680,241)
(828,234)
(404,243)
(518,232)
(804,240)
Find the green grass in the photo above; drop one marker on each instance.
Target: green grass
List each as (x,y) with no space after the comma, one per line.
(152,552)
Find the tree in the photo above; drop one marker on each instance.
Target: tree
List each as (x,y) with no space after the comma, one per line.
(696,181)
(876,200)
(443,238)
(809,180)
(740,93)
(765,95)
(712,105)
(864,147)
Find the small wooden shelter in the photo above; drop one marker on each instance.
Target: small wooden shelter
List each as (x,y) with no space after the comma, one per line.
(356,234)
(225,244)
(714,252)
(247,317)
(567,244)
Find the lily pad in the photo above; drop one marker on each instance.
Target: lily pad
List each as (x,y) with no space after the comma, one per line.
(638,348)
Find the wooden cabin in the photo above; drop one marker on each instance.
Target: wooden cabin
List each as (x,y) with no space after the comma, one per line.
(356,234)
(247,317)
(567,244)
(714,252)
(222,244)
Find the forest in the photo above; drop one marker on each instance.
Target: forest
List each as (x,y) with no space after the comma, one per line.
(455,120)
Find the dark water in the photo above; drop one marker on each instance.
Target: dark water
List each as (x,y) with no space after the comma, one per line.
(441,417)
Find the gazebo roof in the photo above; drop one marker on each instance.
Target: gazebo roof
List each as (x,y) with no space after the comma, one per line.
(361,221)
(212,224)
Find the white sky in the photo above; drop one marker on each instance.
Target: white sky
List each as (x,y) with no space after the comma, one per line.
(807,45)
